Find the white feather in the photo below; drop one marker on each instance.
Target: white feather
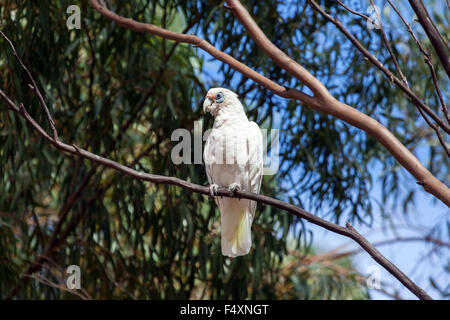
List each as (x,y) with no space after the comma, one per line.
(234,154)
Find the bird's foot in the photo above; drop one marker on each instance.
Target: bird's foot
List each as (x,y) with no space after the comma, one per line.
(233,188)
(213,190)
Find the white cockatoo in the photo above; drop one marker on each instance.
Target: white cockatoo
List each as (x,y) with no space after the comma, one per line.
(234,159)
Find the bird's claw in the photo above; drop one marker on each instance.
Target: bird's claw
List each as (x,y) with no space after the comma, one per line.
(233,188)
(213,190)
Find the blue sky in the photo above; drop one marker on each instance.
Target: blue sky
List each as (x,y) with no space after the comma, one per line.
(408,256)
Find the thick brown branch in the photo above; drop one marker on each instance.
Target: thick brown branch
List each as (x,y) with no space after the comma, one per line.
(432,33)
(277,55)
(205,45)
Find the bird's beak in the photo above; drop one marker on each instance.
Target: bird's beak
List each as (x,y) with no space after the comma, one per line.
(208,103)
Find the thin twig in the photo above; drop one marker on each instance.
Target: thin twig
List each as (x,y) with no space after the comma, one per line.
(354,12)
(417,101)
(428,62)
(34,88)
(436,129)
(335,254)
(388,46)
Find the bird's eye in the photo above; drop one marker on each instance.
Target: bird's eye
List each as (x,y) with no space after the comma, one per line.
(219,97)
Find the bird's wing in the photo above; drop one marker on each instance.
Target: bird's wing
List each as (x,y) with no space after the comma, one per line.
(208,161)
(255,163)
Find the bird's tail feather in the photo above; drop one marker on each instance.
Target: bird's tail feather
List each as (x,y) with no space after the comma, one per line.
(236,232)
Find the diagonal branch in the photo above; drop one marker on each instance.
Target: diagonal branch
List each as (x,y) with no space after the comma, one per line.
(427,61)
(347,231)
(384,37)
(57,239)
(205,45)
(34,87)
(354,12)
(323,102)
(427,58)
(399,83)
(438,133)
(432,33)
(277,55)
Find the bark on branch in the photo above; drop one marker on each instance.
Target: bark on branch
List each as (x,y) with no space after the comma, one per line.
(432,33)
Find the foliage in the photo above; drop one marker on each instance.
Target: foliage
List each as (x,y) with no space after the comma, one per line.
(121,94)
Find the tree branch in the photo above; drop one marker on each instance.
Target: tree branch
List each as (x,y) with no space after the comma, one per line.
(330,105)
(322,102)
(427,58)
(415,99)
(347,231)
(432,33)
(388,46)
(438,133)
(278,56)
(34,87)
(434,126)
(335,254)
(205,45)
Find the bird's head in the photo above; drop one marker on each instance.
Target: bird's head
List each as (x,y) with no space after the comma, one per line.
(218,98)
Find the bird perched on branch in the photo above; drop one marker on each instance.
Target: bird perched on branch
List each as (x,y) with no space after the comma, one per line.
(234,159)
